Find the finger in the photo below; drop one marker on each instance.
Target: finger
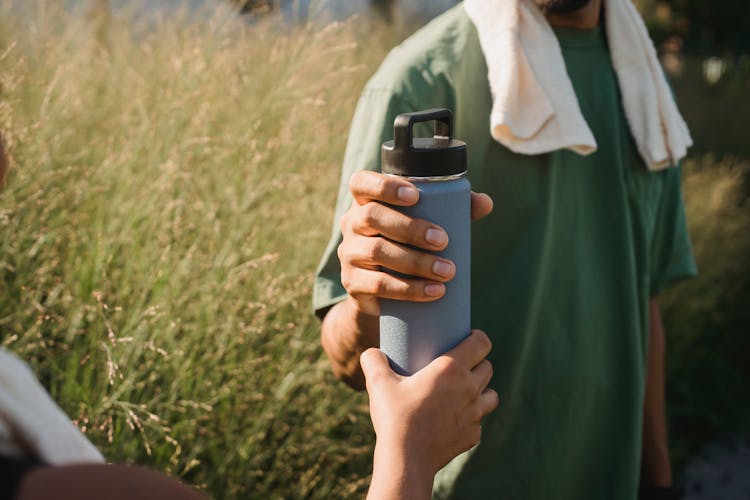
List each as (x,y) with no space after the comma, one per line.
(367,186)
(488,401)
(481,375)
(481,205)
(372,252)
(372,219)
(375,365)
(472,350)
(368,282)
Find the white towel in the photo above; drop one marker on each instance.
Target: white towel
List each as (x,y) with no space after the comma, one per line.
(535,109)
(31,416)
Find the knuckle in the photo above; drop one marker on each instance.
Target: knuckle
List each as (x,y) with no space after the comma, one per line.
(346,220)
(375,249)
(341,252)
(346,282)
(372,212)
(487,366)
(483,342)
(344,253)
(356,180)
(440,365)
(354,221)
(381,187)
(448,365)
(379,285)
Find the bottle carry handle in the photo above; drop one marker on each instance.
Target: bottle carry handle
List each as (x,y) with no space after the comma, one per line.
(403,134)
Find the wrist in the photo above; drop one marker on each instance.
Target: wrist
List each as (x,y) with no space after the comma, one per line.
(399,473)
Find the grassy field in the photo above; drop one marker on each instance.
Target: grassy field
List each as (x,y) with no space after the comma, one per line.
(170,193)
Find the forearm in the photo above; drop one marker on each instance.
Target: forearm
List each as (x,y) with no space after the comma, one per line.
(655,466)
(394,477)
(345,333)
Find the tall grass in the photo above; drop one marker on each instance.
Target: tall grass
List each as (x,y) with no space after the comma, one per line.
(170,193)
(169,196)
(708,318)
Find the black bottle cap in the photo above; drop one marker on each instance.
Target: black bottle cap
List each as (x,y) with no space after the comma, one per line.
(436,156)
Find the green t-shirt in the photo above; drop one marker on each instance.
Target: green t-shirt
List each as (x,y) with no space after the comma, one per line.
(563,268)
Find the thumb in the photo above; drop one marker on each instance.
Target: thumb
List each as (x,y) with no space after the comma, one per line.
(481,205)
(375,365)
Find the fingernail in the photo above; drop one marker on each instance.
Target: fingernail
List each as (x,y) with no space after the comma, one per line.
(442,268)
(436,237)
(407,194)
(433,290)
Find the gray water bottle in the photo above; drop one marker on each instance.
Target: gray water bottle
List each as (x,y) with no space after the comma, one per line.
(414,333)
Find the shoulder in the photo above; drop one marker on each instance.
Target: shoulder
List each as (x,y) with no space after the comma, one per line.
(428,58)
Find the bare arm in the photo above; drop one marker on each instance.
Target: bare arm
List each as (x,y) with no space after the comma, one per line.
(114,482)
(345,334)
(656,469)
(375,237)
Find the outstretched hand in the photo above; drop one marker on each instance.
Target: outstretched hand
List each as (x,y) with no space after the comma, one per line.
(428,418)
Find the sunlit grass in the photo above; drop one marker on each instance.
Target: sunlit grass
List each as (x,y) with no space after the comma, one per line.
(168,199)
(170,194)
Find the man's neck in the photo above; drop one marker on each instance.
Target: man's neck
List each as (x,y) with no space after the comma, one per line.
(584,18)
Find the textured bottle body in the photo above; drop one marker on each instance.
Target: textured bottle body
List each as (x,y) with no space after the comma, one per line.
(414,333)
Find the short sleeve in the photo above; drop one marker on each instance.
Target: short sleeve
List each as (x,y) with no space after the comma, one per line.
(371,126)
(671,253)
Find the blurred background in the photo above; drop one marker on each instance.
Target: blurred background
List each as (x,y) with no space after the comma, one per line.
(172,175)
